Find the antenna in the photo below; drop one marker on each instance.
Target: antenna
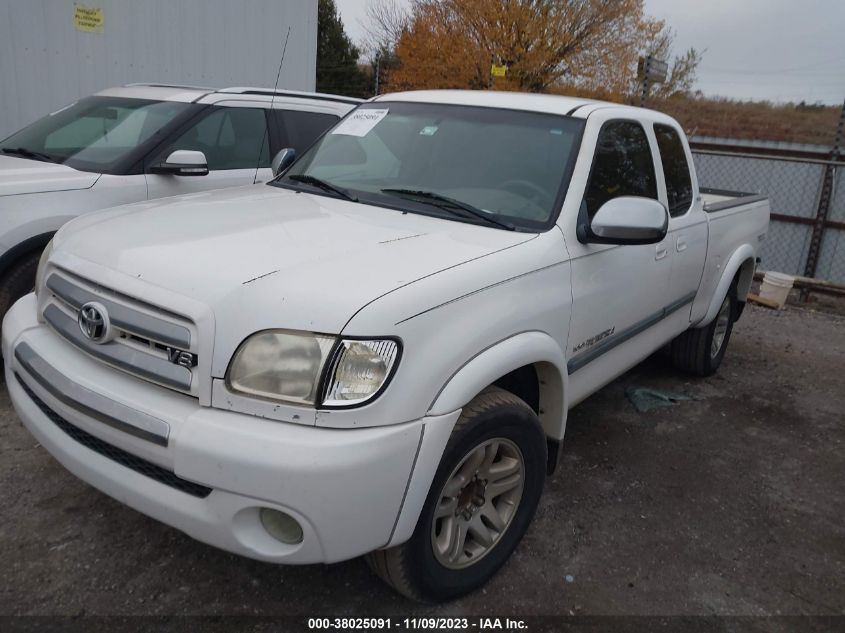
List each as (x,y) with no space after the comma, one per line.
(266,137)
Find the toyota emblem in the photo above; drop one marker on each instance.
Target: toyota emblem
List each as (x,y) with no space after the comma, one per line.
(94,322)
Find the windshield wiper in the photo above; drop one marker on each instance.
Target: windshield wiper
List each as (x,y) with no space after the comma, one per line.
(28,153)
(449,204)
(322,184)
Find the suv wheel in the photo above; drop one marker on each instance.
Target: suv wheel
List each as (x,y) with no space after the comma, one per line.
(18,281)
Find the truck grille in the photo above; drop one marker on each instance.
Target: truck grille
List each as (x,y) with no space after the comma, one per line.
(143,337)
(122,457)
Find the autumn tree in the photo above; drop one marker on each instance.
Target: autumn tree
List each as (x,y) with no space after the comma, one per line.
(588,44)
(337,57)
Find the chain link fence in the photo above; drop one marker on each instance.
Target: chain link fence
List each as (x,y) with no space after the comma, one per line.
(794,185)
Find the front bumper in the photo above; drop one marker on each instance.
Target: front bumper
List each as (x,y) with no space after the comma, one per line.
(213,470)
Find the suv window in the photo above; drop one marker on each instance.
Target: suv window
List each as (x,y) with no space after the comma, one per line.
(230,138)
(301,129)
(96,133)
(622,165)
(675,169)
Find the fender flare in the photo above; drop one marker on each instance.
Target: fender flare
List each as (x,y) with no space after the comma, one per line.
(734,263)
(526,348)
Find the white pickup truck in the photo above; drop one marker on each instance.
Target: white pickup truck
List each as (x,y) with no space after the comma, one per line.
(140,142)
(376,352)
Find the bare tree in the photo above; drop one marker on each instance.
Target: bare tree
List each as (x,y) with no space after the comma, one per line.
(385,23)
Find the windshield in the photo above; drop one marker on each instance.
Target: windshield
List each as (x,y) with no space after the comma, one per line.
(458,162)
(92,134)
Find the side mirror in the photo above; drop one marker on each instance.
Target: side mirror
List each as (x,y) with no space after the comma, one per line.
(282,160)
(183,162)
(624,220)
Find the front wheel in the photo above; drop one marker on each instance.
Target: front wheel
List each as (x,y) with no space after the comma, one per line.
(18,281)
(700,351)
(480,504)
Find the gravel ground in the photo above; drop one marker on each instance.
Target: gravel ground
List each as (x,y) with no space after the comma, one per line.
(731,503)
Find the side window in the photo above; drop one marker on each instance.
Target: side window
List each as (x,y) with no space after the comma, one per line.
(230,138)
(622,165)
(675,169)
(301,129)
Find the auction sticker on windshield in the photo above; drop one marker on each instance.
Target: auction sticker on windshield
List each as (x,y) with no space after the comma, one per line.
(360,122)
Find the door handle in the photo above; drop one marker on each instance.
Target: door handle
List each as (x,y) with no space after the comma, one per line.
(659,252)
(681,245)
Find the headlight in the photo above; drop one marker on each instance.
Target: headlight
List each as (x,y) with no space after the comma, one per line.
(42,264)
(292,366)
(280,365)
(359,370)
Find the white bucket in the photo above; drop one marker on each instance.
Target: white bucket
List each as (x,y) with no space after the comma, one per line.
(776,287)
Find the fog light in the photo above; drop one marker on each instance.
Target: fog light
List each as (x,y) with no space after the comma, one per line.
(281,526)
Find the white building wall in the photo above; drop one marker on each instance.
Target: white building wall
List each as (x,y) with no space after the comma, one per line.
(46,63)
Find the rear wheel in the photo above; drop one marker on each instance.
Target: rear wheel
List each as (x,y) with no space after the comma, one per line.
(480,504)
(700,351)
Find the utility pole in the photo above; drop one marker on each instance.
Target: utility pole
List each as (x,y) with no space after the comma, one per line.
(378,66)
(652,71)
(644,93)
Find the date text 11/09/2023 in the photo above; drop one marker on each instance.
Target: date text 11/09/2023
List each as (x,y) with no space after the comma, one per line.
(430,624)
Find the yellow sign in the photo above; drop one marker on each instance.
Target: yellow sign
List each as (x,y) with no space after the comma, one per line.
(498,71)
(87,19)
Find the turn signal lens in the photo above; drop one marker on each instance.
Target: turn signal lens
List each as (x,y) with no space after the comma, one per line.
(359,371)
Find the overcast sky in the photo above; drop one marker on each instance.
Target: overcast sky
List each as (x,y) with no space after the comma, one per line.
(780,50)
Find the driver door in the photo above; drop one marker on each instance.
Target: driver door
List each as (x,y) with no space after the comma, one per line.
(618,292)
(236,146)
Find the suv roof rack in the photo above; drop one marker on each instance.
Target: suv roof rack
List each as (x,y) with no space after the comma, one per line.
(290,93)
(158,85)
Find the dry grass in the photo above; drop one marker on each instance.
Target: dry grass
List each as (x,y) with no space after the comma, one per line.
(757,120)
(754,120)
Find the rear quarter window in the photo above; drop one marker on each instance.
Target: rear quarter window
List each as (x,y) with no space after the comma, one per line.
(675,169)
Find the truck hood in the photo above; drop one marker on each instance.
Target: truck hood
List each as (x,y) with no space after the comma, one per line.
(265,257)
(21,175)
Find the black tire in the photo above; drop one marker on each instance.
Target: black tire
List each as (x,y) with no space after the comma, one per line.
(412,568)
(693,352)
(18,281)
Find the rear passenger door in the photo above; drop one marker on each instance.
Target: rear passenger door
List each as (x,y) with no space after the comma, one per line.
(687,219)
(235,143)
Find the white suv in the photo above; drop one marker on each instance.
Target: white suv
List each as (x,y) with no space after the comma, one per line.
(136,143)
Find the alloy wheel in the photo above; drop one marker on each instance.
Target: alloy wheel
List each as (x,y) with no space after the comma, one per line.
(477,503)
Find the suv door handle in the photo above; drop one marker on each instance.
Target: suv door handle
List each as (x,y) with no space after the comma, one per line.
(659,252)
(681,245)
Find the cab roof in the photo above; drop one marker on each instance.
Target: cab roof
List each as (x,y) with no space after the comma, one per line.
(534,102)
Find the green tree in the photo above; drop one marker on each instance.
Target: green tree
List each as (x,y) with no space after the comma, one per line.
(337,56)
